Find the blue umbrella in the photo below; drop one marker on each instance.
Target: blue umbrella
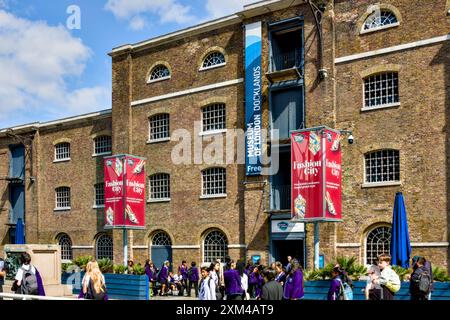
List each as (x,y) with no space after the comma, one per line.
(400,245)
(20,232)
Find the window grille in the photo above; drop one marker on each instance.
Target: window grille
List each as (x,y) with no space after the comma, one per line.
(382,166)
(215,246)
(62,151)
(100,194)
(159,127)
(63,197)
(214,117)
(378,242)
(159,186)
(381,89)
(380,19)
(104,247)
(214,181)
(213,59)
(66,247)
(159,72)
(161,239)
(102,144)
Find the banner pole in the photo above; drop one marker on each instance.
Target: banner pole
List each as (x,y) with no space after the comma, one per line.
(125,247)
(316,245)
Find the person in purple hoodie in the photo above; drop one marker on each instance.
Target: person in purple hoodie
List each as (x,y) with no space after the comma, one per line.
(335,286)
(183,270)
(162,279)
(232,278)
(152,275)
(27,269)
(193,277)
(256,281)
(293,288)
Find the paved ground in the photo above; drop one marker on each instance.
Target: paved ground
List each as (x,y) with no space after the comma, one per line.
(170,297)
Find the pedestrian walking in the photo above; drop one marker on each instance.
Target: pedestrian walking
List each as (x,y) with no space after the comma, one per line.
(233,290)
(152,275)
(183,270)
(389,280)
(373,291)
(207,286)
(335,291)
(429,269)
(240,267)
(163,278)
(271,290)
(293,288)
(193,277)
(2,275)
(94,286)
(420,283)
(28,280)
(280,273)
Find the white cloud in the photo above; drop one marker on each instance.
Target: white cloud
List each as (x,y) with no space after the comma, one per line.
(219,9)
(36,62)
(134,10)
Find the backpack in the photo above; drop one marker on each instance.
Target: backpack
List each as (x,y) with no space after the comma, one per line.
(345,291)
(424,282)
(91,294)
(29,283)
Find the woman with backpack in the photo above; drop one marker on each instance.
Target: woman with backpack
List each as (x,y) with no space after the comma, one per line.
(420,283)
(293,288)
(28,280)
(94,286)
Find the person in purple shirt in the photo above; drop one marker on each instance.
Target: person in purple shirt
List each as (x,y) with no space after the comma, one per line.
(193,277)
(281,274)
(152,275)
(232,278)
(335,286)
(162,279)
(293,288)
(257,281)
(183,270)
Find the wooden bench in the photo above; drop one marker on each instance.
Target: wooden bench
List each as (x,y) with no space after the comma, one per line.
(318,290)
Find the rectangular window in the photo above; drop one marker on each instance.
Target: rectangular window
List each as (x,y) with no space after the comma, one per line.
(214,182)
(213,117)
(159,185)
(159,127)
(382,166)
(381,89)
(102,145)
(62,198)
(286,44)
(62,151)
(100,194)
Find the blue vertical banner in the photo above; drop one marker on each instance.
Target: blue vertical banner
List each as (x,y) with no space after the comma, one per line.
(253,103)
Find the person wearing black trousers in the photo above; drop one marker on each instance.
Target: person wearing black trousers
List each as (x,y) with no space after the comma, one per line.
(193,277)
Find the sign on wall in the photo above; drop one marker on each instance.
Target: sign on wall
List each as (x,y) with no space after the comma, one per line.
(124,192)
(316,174)
(287,226)
(253,87)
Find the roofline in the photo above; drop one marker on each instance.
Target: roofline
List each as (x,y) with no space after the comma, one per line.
(48,124)
(249,11)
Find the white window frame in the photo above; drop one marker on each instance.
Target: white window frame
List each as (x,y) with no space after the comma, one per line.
(164,139)
(149,80)
(56,153)
(204,132)
(97,246)
(387,26)
(367,184)
(161,199)
(217,195)
(204,239)
(60,236)
(367,235)
(218,65)
(385,105)
(96,205)
(95,154)
(61,208)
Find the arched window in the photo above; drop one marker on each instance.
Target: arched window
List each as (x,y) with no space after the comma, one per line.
(215,58)
(104,247)
(215,246)
(214,182)
(161,239)
(160,72)
(380,19)
(382,166)
(378,242)
(66,246)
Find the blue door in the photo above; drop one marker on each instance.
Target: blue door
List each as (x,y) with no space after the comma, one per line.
(17,200)
(161,254)
(287,110)
(17,164)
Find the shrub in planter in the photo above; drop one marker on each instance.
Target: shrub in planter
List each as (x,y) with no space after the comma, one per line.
(120,269)
(402,272)
(82,261)
(440,275)
(138,269)
(105,265)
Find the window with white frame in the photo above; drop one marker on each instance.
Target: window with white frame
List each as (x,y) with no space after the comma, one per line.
(382,166)
(381,89)
(159,72)
(159,127)
(378,242)
(213,117)
(215,246)
(161,239)
(63,198)
(159,186)
(62,151)
(104,247)
(102,145)
(100,194)
(214,182)
(380,19)
(66,247)
(215,58)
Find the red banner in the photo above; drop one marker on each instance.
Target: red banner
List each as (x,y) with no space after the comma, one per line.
(316,175)
(124,192)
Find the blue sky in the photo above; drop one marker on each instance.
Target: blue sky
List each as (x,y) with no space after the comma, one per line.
(49,71)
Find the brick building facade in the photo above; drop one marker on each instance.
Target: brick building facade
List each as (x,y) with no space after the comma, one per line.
(386,79)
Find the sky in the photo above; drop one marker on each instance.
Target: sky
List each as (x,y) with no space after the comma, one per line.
(53,53)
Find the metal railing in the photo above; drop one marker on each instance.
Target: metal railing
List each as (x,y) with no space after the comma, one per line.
(280,197)
(14,296)
(286,60)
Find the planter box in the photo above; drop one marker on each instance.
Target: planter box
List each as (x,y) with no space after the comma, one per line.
(119,286)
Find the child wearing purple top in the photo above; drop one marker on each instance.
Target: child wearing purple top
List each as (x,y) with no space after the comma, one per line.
(193,277)
(151,273)
(256,281)
(293,288)
(163,277)
(335,286)
(233,289)
(183,270)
